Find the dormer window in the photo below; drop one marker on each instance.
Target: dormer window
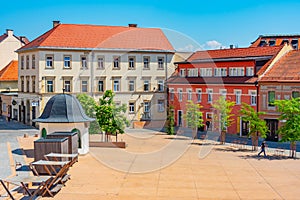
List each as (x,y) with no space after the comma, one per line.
(285,41)
(272,43)
(295,43)
(262,43)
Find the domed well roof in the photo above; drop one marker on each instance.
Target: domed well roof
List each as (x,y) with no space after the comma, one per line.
(63,108)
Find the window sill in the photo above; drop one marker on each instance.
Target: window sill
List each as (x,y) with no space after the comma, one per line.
(114,68)
(146,68)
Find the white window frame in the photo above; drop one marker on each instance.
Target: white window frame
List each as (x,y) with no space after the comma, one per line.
(116,85)
(146,62)
(160,62)
(249,71)
(116,62)
(102,85)
(147,85)
(160,85)
(189,94)
(33,62)
(223,92)
(180,94)
(172,94)
(192,72)
(238,97)
(83,62)
(236,71)
(160,106)
(67,87)
(84,84)
(48,85)
(182,73)
(219,72)
(131,106)
(101,62)
(131,85)
(253,97)
(68,62)
(209,95)
(199,95)
(205,72)
(49,61)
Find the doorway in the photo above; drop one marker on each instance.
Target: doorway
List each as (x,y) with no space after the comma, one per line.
(245,128)
(179,117)
(273,127)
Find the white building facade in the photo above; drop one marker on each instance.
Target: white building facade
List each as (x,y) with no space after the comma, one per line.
(134,72)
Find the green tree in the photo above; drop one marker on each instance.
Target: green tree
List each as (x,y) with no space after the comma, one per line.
(223,117)
(88,104)
(170,126)
(290,113)
(193,117)
(110,117)
(257,125)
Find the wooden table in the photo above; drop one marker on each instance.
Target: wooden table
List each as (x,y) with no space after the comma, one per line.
(58,156)
(24,181)
(49,165)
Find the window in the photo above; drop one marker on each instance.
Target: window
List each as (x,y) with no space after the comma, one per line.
(238,94)
(262,43)
(199,95)
(236,71)
(33,61)
(84,62)
(22,62)
(284,41)
(223,92)
(220,72)
(67,61)
(33,83)
(131,85)
(146,62)
(171,94)
(22,83)
(100,62)
(192,72)
(131,107)
(67,85)
(146,106)
(160,84)
(295,94)
(295,43)
(205,72)
(272,43)
(50,87)
(116,63)
(209,95)
(253,98)
(146,85)
(180,95)
(116,85)
(160,105)
(49,61)
(160,61)
(84,86)
(131,62)
(182,72)
(27,84)
(189,94)
(271,98)
(249,71)
(100,86)
(27,62)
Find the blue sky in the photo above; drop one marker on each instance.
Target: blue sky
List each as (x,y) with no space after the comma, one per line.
(206,23)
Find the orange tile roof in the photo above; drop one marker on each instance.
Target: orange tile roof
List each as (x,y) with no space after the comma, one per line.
(286,69)
(10,72)
(235,53)
(93,36)
(2,37)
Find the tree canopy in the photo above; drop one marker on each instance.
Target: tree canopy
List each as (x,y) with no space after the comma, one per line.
(193,115)
(224,109)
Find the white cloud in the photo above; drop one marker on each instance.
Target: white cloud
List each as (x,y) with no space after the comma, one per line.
(213,44)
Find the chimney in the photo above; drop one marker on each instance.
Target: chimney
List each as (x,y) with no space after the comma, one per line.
(132,25)
(9,32)
(231,46)
(55,23)
(22,39)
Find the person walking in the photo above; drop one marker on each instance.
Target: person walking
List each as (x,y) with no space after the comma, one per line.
(263,148)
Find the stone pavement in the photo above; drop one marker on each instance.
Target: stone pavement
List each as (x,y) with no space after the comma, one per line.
(10,151)
(203,170)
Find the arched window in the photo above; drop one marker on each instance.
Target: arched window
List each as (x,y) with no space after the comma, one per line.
(79,136)
(44,133)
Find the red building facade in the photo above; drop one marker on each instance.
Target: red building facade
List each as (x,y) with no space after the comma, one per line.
(206,75)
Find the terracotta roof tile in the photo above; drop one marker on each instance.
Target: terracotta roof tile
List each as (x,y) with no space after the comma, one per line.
(235,53)
(2,37)
(286,69)
(92,36)
(10,72)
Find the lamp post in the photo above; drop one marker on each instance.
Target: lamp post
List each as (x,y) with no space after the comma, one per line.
(257,103)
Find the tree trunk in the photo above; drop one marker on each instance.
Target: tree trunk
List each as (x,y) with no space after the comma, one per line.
(293,149)
(254,142)
(223,137)
(194,133)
